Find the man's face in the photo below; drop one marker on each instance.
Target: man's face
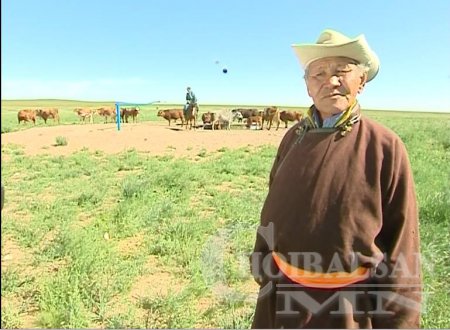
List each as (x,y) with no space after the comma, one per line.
(333,83)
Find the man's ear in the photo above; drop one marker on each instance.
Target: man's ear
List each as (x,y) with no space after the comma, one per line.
(362,82)
(307,89)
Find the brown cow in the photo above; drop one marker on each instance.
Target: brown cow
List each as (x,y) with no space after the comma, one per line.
(26,115)
(127,112)
(107,112)
(170,114)
(270,115)
(286,116)
(84,113)
(48,113)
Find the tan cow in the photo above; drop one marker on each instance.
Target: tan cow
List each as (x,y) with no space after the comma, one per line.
(107,112)
(26,115)
(48,113)
(172,114)
(286,116)
(84,113)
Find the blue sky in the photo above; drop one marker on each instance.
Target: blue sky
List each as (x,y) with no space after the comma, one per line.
(147,50)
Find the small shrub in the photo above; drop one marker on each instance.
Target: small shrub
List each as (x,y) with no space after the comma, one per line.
(132,188)
(202,153)
(61,141)
(86,198)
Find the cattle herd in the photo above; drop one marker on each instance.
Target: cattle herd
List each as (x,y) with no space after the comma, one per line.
(250,118)
(30,115)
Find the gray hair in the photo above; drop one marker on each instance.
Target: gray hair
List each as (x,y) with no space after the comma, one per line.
(364,67)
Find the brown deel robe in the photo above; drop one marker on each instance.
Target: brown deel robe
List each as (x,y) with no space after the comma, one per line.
(349,197)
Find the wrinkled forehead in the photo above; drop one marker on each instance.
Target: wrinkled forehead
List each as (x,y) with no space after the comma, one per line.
(334,60)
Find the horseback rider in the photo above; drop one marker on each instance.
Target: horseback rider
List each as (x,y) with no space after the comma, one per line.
(190,99)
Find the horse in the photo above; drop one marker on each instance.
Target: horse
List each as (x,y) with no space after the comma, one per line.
(191,115)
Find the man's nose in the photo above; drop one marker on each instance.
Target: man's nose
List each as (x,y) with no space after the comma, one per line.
(334,80)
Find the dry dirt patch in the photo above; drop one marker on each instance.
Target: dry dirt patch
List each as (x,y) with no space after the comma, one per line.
(150,137)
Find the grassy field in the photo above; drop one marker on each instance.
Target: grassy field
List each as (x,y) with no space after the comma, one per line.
(140,241)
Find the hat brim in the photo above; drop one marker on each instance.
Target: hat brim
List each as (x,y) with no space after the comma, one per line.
(356,49)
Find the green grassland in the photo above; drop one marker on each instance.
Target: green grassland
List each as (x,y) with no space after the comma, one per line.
(140,241)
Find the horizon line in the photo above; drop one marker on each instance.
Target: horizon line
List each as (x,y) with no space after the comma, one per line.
(211,104)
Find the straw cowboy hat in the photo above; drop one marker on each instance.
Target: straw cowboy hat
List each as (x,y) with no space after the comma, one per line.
(333,43)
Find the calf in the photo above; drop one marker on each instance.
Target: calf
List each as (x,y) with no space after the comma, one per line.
(254,120)
(107,112)
(125,113)
(48,113)
(26,115)
(172,114)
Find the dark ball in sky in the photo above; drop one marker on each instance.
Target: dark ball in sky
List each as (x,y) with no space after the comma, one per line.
(224,70)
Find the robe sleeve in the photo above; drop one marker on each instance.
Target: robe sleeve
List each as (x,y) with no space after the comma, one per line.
(283,149)
(261,249)
(398,277)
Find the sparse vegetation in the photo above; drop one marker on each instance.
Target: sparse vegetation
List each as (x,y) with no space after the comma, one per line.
(61,141)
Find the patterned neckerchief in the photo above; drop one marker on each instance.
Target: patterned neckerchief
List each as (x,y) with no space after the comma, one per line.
(344,122)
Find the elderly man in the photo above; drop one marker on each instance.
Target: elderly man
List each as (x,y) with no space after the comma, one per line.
(338,244)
